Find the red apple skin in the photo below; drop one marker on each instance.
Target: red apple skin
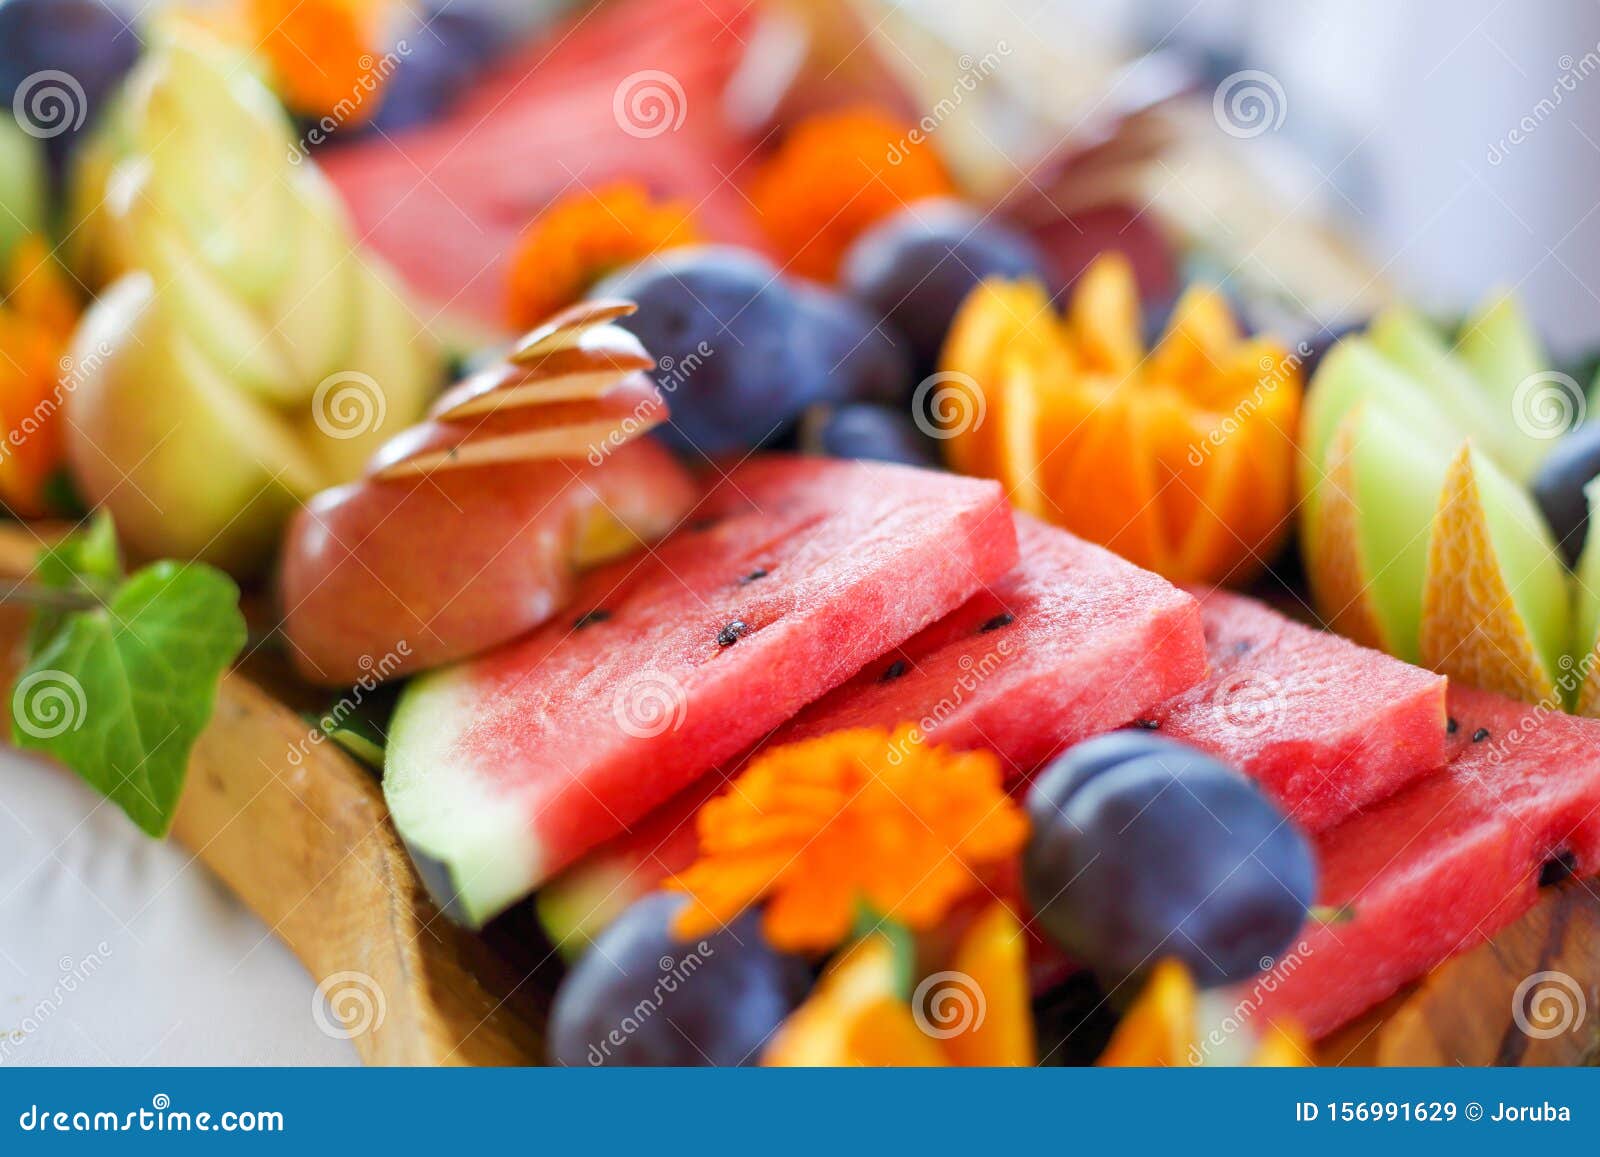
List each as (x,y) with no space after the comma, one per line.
(384,578)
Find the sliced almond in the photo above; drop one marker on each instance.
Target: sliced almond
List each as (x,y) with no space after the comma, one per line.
(561,330)
(600,360)
(588,429)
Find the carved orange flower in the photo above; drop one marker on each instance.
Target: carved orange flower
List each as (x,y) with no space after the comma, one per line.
(863,817)
(323,53)
(583,237)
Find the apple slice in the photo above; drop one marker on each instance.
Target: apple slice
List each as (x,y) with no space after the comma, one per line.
(562,330)
(587,429)
(380,579)
(600,359)
(1496,606)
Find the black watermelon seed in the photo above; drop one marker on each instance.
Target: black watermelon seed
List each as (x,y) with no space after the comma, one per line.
(1147,724)
(1451,726)
(732,633)
(702,524)
(758,573)
(590,619)
(1480,735)
(895,670)
(1559,867)
(1003,619)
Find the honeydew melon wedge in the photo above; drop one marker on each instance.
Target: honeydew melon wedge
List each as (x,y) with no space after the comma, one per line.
(1500,346)
(1414,344)
(1367,549)
(1496,605)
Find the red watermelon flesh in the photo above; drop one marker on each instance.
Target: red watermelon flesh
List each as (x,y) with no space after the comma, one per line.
(1325,726)
(446,202)
(1446,863)
(790,577)
(1072,642)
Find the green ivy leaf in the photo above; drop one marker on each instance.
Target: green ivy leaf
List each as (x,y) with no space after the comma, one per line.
(120,692)
(85,563)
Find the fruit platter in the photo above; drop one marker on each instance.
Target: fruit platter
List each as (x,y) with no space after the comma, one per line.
(638,534)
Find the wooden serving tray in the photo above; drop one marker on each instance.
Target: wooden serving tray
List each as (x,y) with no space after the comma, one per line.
(299,831)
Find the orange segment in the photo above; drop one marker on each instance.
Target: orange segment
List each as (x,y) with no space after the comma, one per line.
(1103,316)
(993,956)
(999,319)
(855,1017)
(1199,336)
(1159,1028)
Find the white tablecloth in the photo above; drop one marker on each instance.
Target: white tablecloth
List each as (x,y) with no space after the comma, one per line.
(117,949)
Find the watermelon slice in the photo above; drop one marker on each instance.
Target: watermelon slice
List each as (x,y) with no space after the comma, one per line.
(793,574)
(624,91)
(1325,726)
(1072,642)
(1446,863)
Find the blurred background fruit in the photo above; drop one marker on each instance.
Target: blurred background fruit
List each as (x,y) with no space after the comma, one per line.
(862,430)
(1560,488)
(23,188)
(1143,848)
(60,61)
(437,57)
(643,996)
(916,267)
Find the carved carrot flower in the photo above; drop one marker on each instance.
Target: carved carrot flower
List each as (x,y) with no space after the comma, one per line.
(820,828)
(583,237)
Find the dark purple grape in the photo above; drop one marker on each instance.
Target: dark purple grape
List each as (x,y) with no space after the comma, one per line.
(916,267)
(851,355)
(1167,852)
(873,433)
(1571,465)
(641,996)
(438,58)
(720,323)
(59,62)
